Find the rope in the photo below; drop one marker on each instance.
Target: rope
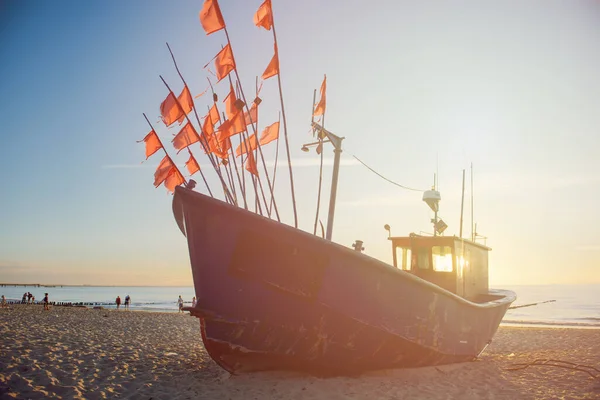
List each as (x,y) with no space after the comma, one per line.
(383,177)
(559,364)
(532,304)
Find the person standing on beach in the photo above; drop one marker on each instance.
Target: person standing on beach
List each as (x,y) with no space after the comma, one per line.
(24,299)
(194,302)
(46,302)
(4,302)
(127,301)
(118,302)
(180,303)
(29,297)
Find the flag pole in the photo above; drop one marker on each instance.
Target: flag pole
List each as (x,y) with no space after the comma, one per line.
(312,119)
(217,170)
(214,96)
(241,180)
(215,165)
(276,157)
(255,129)
(287,146)
(167,154)
(262,192)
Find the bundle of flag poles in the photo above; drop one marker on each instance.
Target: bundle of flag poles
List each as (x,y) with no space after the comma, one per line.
(231,141)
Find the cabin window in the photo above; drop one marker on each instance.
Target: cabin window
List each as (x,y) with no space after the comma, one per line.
(403,258)
(442,258)
(423,259)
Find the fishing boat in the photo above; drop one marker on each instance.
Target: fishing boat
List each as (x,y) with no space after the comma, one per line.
(272,297)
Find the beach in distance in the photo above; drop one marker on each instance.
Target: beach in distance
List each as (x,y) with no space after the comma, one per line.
(73,352)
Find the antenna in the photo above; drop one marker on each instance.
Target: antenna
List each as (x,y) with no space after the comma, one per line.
(437,171)
(462,205)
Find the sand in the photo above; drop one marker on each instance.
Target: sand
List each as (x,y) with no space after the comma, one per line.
(86,353)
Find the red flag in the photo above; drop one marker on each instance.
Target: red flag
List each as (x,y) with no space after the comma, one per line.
(320,108)
(246,146)
(270,133)
(273,67)
(174,179)
(211,17)
(251,117)
(170,111)
(251,164)
(152,143)
(264,15)
(186,136)
(192,165)
(163,170)
(224,62)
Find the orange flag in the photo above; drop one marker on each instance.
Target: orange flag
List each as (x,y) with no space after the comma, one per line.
(224,146)
(230,109)
(273,67)
(214,114)
(211,17)
(163,170)
(246,146)
(251,164)
(185,99)
(220,145)
(152,143)
(224,130)
(186,136)
(264,16)
(238,123)
(174,179)
(252,115)
(270,133)
(192,165)
(170,111)
(224,62)
(320,108)
(233,126)
(208,126)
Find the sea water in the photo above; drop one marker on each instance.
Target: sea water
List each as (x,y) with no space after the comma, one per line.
(146,298)
(574,305)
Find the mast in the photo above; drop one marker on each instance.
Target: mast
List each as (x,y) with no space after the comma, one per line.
(462,204)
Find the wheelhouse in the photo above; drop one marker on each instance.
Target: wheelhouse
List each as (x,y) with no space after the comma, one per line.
(457,265)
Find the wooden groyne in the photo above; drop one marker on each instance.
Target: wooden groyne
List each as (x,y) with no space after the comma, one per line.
(28,284)
(62,303)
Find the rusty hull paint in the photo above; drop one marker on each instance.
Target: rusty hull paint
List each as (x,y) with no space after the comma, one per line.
(274,297)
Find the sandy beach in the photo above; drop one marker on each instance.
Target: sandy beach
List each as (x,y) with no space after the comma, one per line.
(86,353)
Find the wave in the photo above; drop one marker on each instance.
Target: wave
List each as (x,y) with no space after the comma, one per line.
(590,319)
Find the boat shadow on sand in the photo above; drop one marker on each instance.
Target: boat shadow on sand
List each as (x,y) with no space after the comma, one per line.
(470,380)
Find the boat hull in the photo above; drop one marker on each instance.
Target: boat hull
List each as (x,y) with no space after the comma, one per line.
(274,297)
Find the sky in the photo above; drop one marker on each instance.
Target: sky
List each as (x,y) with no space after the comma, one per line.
(415,88)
